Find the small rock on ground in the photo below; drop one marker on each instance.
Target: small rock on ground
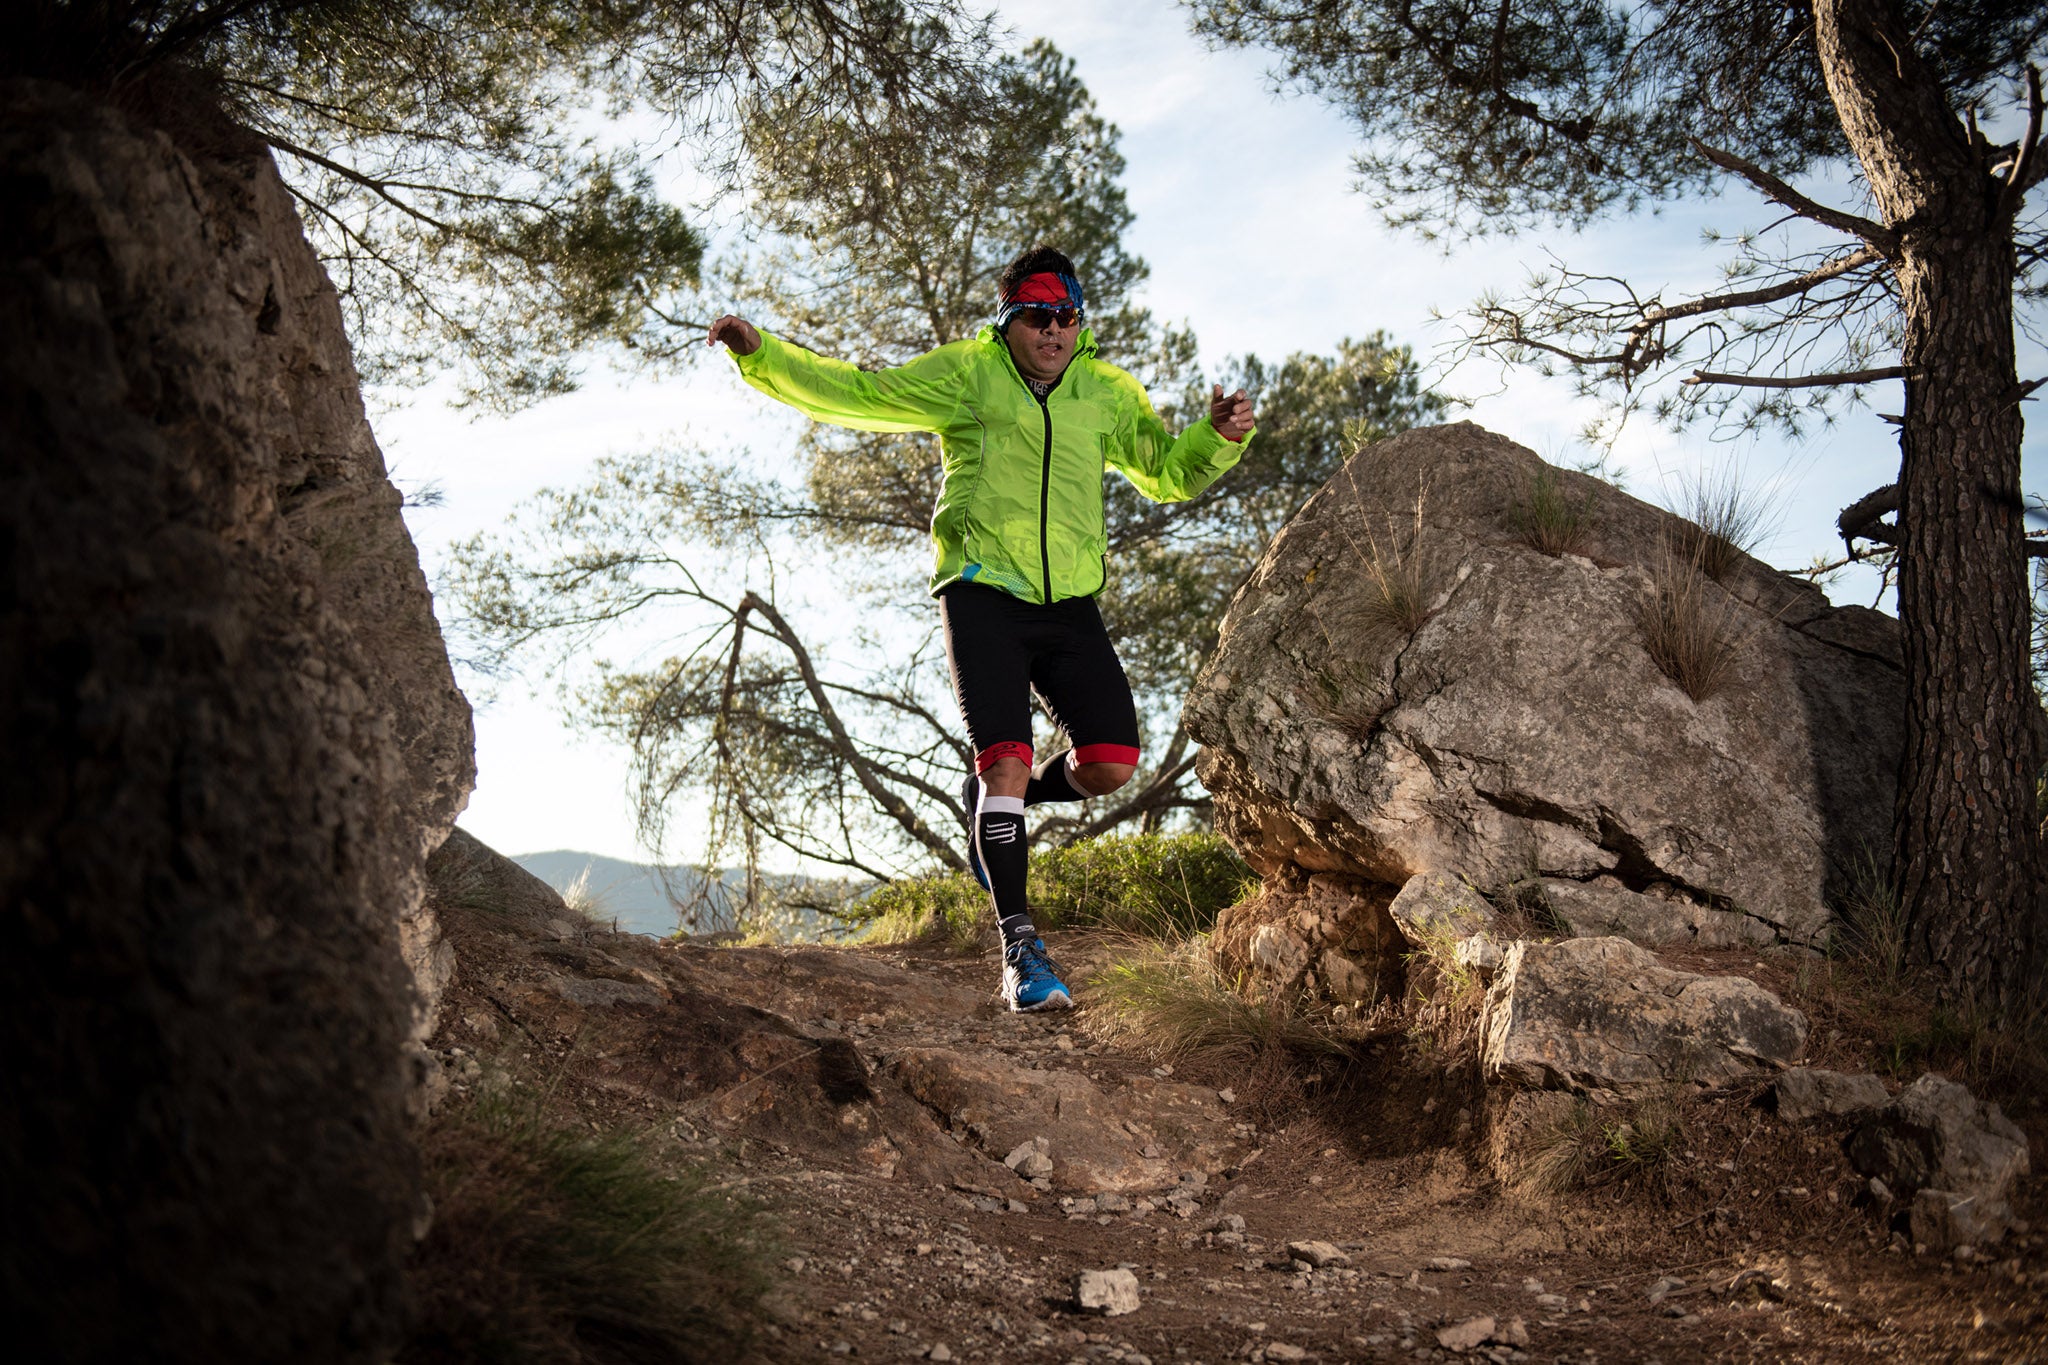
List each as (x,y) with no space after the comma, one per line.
(1467,1335)
(1108,1292)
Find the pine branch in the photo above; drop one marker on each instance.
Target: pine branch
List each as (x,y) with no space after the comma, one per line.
(1778,192)
(1797,381)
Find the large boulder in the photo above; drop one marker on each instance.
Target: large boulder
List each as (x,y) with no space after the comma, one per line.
(1601,1016)
(1523,732)
(231,740)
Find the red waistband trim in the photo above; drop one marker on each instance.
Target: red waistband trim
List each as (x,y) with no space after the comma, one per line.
(1106,753)
(995,753)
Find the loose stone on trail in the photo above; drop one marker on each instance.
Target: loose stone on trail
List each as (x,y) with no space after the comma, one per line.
(1111,1293)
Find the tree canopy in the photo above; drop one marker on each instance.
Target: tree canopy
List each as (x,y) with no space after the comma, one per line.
(462,169)
(841,742)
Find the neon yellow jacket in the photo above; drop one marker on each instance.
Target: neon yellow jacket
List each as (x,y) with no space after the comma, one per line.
(1021,507)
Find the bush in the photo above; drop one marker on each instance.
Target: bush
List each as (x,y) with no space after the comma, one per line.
(552,1244)
(1159,885)
(947,908)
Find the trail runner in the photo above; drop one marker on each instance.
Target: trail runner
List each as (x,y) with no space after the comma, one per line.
(1027,418)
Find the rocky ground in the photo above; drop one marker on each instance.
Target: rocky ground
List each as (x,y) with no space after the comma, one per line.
(944,1174)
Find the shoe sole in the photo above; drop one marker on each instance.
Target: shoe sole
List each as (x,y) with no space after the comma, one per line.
(1058,1000)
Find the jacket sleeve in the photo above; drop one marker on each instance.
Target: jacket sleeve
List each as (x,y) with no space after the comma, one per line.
(918,396)
(1167,468)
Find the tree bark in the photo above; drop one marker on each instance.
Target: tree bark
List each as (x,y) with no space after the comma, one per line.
(1967,850)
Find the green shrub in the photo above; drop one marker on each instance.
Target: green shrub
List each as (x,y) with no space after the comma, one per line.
(557,1244)
(1158,885)
(947,908)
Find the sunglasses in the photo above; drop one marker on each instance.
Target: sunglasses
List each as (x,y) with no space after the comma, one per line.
(1049,317)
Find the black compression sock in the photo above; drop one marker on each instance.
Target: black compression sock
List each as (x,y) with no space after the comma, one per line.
(1051,781)
(999,838)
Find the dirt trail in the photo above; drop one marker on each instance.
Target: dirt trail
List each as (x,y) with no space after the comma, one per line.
(869,1096)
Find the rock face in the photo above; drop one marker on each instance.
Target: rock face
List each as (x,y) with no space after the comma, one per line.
(1809,1092)
(232,738)
(1601,1015)
(1936,1139)
(1330,935)
(1523,730)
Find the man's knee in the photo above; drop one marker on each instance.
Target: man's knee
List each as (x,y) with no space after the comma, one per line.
(1100,779)
(1006,777)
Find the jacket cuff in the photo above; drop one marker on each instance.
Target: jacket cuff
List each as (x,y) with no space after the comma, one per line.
(748,363)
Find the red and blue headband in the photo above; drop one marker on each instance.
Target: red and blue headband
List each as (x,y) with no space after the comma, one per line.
(1047,289)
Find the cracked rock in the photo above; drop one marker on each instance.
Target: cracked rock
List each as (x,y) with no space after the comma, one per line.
(1602,1015)
(1806,1092)
(1525,722)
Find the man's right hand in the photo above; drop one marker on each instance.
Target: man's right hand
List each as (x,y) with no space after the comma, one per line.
(737,333)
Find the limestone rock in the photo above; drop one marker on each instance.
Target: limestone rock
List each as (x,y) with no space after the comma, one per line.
(230,748)
(1468,1335)
(1936,1135)
(1481,954)
(1523,728)
(1331,936)
(1603,1015)
(1603,908)
(1111,1293)
(1810,1092)
(1318,1254)
(1433,908)
(1942,1220)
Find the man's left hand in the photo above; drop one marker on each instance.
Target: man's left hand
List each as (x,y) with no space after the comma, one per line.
(1231,414)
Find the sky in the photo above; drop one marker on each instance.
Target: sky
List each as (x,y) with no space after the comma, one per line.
(1246,211)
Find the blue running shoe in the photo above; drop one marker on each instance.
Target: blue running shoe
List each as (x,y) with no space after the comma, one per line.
(1031,981)
(970,797)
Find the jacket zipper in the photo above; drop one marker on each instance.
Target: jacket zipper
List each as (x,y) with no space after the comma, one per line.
(1045,500)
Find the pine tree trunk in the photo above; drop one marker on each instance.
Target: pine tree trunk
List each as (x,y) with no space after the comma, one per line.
(1967,847)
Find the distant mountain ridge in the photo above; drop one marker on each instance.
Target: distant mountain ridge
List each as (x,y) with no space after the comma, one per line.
(638,895)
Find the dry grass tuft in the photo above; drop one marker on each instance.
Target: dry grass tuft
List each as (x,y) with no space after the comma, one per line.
(1400,578)
(1873,923)
(1589,1146)
(1550,520)
(1693,630)
(1726,519)
(552,1243)
(1173,1003)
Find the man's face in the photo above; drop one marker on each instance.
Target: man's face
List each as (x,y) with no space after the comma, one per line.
(1040,345)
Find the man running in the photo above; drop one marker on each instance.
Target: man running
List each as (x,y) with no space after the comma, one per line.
(1027,419)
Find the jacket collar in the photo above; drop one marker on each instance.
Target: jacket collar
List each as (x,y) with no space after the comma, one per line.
(1084,346)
